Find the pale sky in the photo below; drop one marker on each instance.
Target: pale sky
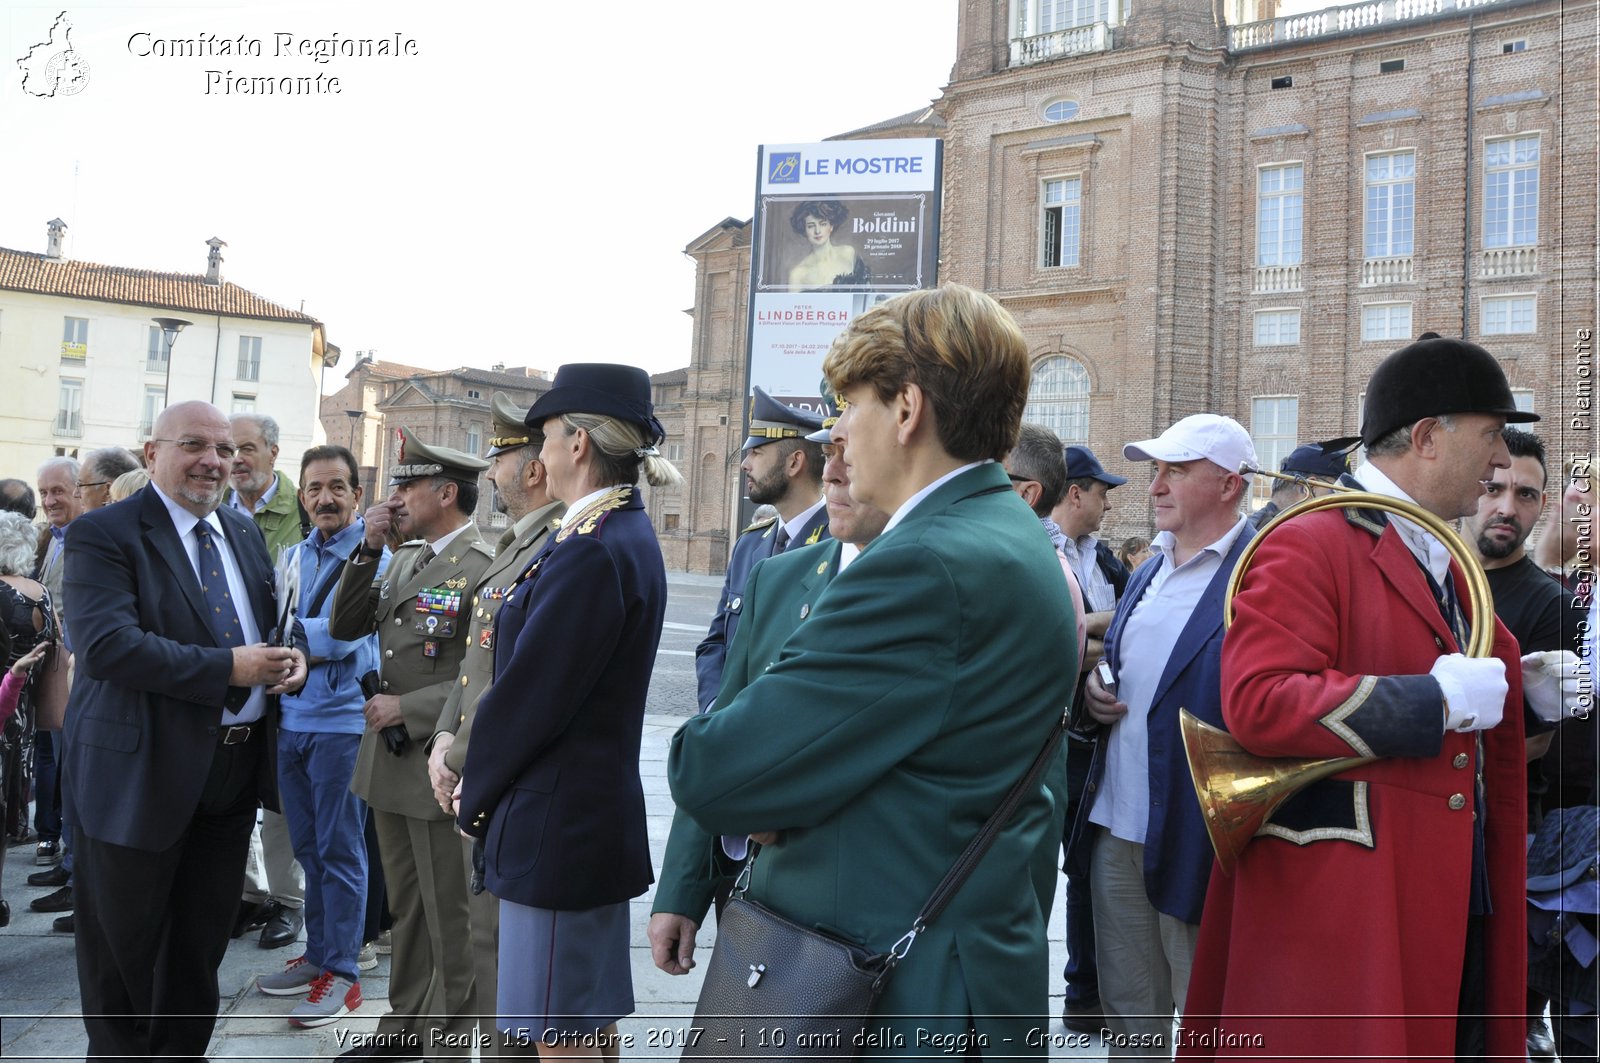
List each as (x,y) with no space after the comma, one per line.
(520,190)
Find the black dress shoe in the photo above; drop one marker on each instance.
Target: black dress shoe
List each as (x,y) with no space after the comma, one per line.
(5,914)
(252,914)
(56,876)
(283,926)
(59,901)
(1540,1044)
(63,924)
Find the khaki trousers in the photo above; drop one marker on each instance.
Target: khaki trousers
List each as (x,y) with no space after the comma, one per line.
(432,991)
(1144,956)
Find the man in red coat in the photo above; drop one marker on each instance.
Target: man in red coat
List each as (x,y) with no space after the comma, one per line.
(1378,914)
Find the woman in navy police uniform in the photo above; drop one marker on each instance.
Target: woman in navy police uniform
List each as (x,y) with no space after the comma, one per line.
(551,782)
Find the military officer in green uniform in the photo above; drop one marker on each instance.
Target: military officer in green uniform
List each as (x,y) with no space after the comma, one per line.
(420,609)
(521,492)
(779,595)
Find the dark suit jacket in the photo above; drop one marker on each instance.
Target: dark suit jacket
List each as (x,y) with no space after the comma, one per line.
(147,699)
(551,781)
(1177,849)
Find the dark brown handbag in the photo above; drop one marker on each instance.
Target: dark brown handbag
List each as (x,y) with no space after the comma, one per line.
(777,990)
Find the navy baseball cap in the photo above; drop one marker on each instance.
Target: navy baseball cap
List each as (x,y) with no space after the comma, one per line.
(1317,459)
(1083,465)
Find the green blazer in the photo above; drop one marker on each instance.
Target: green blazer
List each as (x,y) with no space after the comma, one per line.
(895,718)
(779,593)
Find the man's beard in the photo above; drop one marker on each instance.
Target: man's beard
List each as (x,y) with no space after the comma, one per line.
(256,485)
(1493,549)
(210,499)
(771,490)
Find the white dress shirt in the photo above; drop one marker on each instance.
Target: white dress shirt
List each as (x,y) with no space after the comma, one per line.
(184,522)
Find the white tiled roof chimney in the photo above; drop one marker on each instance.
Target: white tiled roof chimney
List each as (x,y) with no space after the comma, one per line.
(214,260)
(57,229)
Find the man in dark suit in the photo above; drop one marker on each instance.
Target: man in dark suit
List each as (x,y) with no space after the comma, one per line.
(169,741)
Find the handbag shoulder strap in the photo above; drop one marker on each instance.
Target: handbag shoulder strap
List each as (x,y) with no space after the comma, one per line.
(967,862)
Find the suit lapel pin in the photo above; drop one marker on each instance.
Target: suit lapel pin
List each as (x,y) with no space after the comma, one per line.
(756,971)
(805,610)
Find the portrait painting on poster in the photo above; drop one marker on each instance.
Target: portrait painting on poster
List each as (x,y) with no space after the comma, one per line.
(839,226)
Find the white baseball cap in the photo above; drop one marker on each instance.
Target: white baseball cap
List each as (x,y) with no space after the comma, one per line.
(1220,440)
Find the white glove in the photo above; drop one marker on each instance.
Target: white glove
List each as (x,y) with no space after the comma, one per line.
(1557,685)
(1474,690)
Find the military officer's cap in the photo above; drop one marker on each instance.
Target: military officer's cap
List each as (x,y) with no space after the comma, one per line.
(417,459)
(510,426)
(771,420)
(603,389)
(831,409)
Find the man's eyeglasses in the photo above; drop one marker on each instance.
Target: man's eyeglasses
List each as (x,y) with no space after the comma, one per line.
(1014,478)
(225,451)
(93,483)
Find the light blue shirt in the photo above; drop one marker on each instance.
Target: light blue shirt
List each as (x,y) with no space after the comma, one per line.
(1152,630)
(331,700)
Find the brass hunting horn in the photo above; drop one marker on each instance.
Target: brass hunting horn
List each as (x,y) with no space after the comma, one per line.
(1238,790)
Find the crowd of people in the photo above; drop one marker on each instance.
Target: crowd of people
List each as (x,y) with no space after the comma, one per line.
(360,725)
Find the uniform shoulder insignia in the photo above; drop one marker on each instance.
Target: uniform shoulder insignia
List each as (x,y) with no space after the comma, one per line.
(486,549)
(594,514)
(1370,520)
(765,522)
(413,542)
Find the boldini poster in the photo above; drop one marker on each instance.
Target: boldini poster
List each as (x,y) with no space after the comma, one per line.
(839,227)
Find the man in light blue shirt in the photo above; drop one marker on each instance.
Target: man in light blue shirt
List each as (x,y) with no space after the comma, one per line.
(319,734)
(1151,856)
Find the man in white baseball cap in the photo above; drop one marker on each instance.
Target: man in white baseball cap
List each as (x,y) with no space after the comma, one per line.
(1150,857)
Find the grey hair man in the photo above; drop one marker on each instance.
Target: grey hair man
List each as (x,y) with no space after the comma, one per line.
(100,469)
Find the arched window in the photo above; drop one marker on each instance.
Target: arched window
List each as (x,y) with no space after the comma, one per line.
(1058,398)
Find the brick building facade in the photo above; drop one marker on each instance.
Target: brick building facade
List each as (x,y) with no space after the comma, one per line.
(449,407)
(1187,216)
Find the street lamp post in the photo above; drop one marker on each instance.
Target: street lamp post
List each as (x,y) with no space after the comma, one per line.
(355,419)
(170,327)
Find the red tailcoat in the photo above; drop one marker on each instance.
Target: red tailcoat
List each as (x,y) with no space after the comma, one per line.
(1341,932)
